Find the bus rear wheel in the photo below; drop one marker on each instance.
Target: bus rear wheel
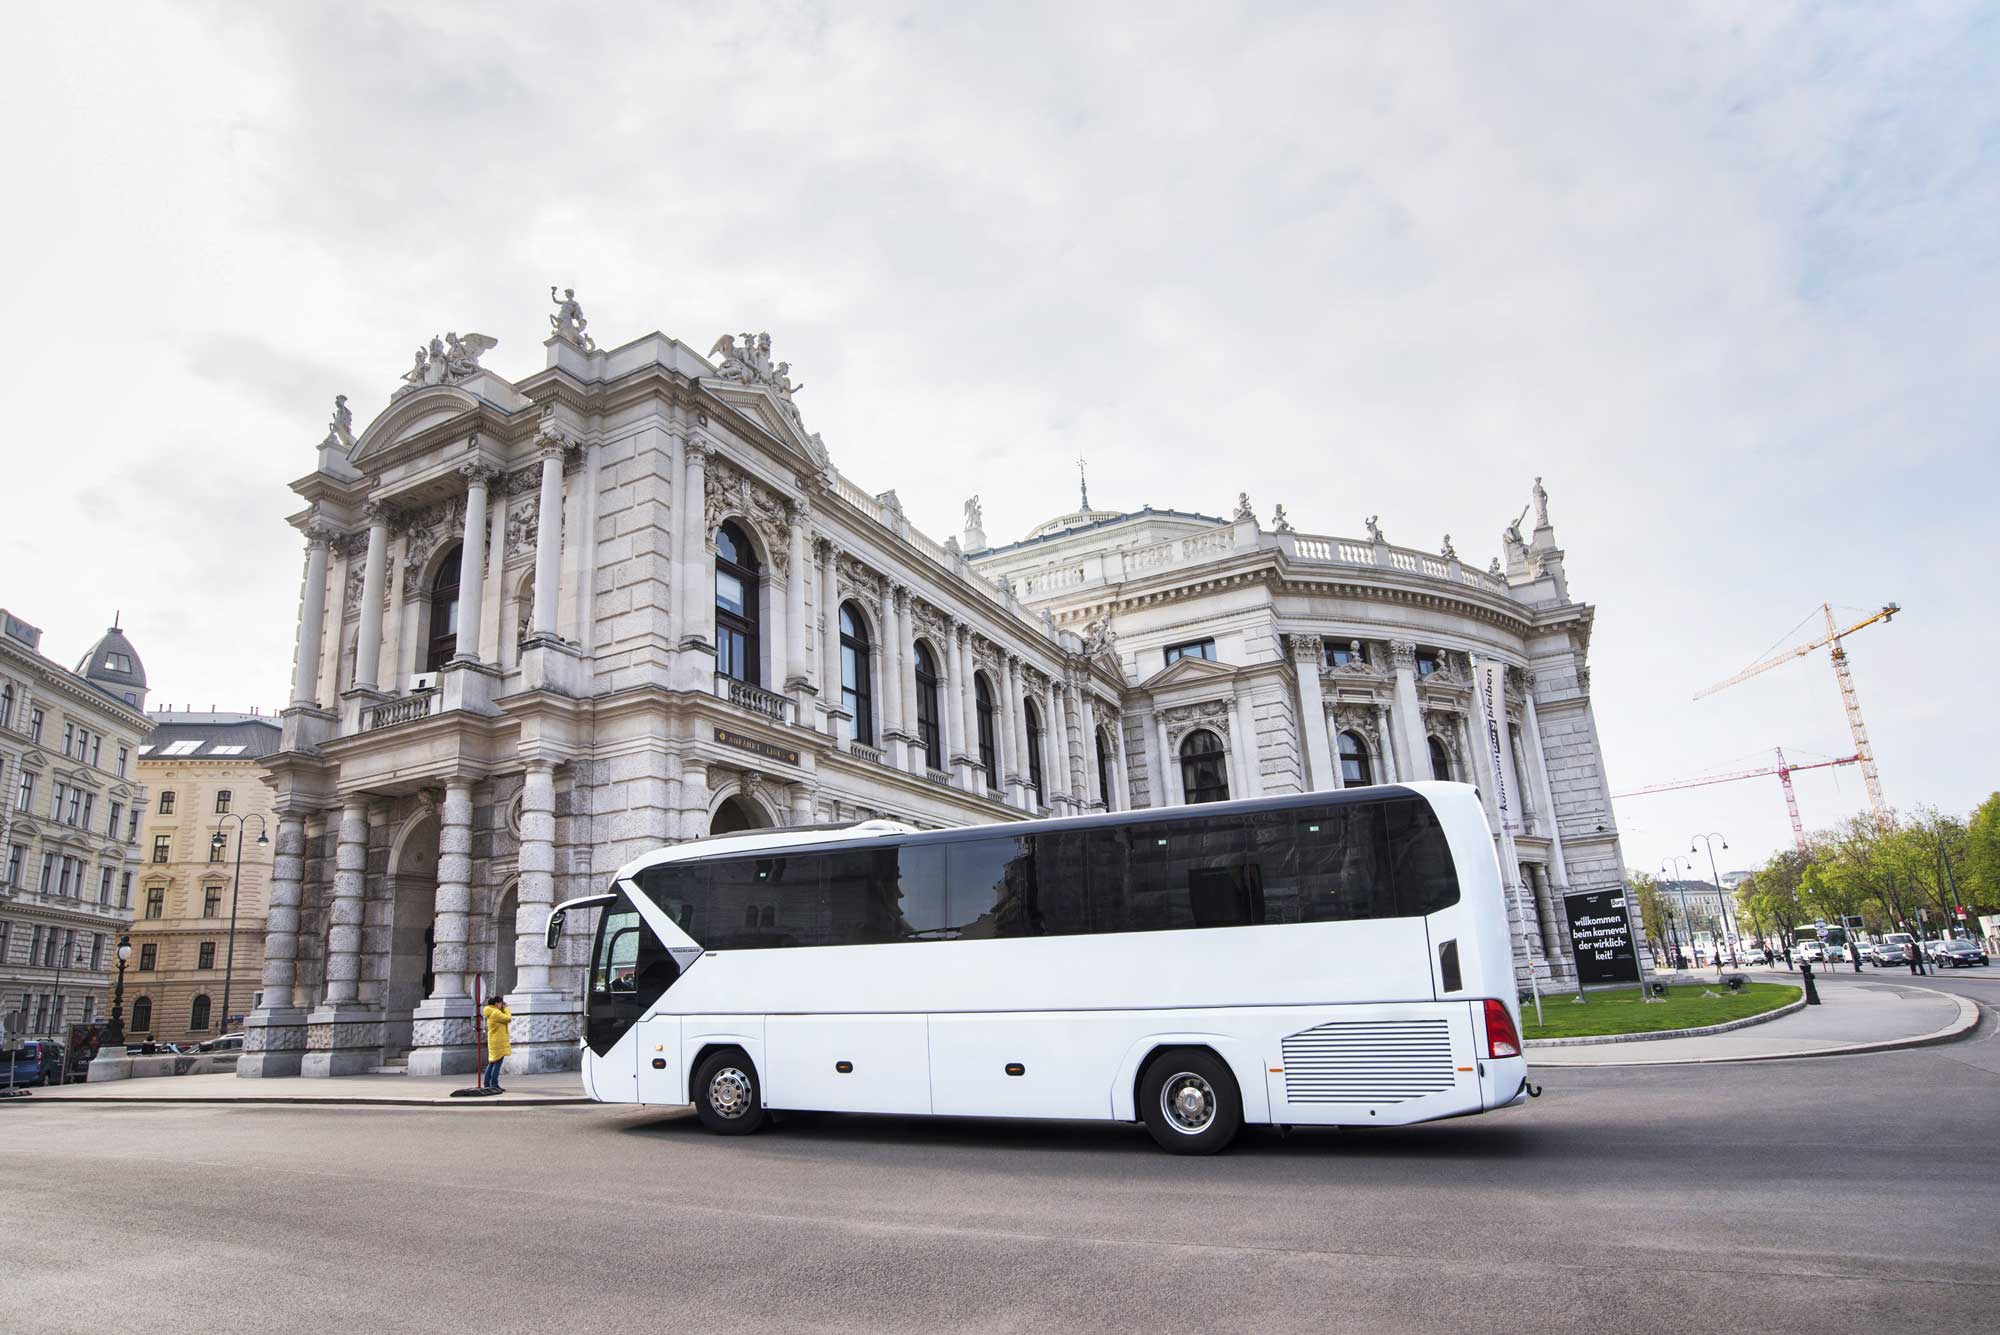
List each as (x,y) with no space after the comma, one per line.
(1190,1101)
(727,1097)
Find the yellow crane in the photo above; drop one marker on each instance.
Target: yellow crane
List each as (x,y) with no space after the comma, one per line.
(1862,751)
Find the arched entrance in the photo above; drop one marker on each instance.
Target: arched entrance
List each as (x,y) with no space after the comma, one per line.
(411,884)
(736,814)
(503,939)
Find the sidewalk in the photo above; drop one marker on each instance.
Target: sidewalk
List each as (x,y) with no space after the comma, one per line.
(545,1089)
(1854,1014)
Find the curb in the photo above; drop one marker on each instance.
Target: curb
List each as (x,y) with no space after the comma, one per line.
(301,1102)
(1965,1023)
(1586,1040)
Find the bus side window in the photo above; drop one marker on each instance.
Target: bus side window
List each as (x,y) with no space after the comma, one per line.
(1426,880)
(1071,868)
(1341,870)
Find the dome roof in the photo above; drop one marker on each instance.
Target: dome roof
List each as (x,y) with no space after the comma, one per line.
(1074,519)
(113,664)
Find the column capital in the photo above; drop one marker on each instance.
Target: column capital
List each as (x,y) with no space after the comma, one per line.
(380,513)
(319,533)
(1403,654)
(1307,648)
(698,449)
(477,474)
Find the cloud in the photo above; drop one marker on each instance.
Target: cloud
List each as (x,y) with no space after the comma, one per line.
(1720,275)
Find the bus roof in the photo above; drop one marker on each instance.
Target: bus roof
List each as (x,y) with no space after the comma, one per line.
(821,836)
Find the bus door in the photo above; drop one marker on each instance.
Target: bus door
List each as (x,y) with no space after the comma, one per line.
(630,970)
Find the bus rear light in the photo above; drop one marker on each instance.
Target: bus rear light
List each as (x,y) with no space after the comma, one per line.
(1502,1040)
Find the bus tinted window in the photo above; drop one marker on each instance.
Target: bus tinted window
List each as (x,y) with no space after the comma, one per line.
(1329,863)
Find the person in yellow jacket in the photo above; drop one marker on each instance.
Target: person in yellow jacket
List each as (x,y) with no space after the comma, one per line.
(497,1017)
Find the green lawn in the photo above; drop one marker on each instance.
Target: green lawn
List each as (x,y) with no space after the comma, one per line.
(1620,1012)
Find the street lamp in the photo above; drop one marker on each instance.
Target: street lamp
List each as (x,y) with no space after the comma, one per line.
(1722,904)
(221,841)
(114,1032)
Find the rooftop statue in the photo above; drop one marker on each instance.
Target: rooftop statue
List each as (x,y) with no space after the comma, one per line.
(340,431)
(568,321)
(448,360)
(1510,537)
(1243,510)
(1375,529)
(1279,523)
(1448,552)
(975,516)
(1541,503)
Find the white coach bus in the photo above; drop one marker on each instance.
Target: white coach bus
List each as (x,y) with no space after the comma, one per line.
(1331,958)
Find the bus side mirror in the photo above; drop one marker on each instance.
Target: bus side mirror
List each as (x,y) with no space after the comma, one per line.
(555,929)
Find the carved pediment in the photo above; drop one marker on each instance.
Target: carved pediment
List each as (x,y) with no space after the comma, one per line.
(772,412)
(1187,670)
(410,415)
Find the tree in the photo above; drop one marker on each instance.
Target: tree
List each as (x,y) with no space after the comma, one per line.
(1979,865)
(1652,917)
(1771,896)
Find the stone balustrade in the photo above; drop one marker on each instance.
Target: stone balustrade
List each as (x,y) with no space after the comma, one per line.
(420,704)
(754,698)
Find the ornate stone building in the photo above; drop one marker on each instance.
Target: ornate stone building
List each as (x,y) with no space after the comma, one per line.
(69,823)
(547,625)
(190,976)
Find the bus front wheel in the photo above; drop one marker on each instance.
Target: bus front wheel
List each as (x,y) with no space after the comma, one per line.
(727,1097)
(1190,1102)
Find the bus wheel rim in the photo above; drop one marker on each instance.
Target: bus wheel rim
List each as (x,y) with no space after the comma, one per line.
(729,1092)
(1188,1102)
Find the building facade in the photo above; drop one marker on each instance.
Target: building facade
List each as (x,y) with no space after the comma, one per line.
(69,824)
(548,625)
(198,920)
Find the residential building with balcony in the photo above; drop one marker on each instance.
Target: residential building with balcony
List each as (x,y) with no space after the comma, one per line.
(198,922)
(69,823)
(548,625)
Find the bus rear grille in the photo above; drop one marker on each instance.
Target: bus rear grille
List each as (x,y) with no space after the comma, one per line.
(1368,1061)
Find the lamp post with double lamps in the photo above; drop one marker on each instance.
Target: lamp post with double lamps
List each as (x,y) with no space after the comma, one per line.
(1672,867)
(114,1033)
(220,840)
(1722,905)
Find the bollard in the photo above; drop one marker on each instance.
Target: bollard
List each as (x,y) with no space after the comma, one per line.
(1805,975)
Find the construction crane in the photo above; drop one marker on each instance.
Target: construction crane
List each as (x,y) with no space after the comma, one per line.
(1784,771)
(1864,755)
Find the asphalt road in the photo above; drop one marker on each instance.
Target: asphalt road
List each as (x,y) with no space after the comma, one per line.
(1821,1195)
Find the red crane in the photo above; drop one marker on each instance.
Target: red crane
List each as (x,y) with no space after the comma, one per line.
(1784,771)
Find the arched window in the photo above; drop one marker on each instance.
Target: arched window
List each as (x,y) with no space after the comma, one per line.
(735,605)
(1204,776)
(222,799)
(1353,762)
(857,695)
(1440,760)
(1104,788)
(444,612)
(198,1013)
(982,699)
(927,706)
(1033,718)
(142,1014)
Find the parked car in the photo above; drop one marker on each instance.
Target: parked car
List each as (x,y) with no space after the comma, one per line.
(1956,954)
(1892,951)
(224,1043)
(38,1061)
(1753,955)
(1810,952)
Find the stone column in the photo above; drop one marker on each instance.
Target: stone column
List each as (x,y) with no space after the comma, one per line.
(1392,759)
(472,562)
(312,616)
(1243,744)
(802,804)
(1412,756)
(950,716)
(796,681)
(888,682)
(914,758)
(548,545)
(274,1034)
(1488,689)
(545,1027)
(496,626)
(1119,779)
(368,644)
(393,639)
(584,549)
(343,1034)
(443,1040)
(696,656)
(1064,779)
(1014,765)
(830,696)
(694,797)
(1093,787)
(1167,773)
(1308,652)
(972,776)
(1541,766)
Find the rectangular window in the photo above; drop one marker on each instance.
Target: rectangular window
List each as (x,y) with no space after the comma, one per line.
(163,845)
(124,753)
(222,797)
(75,806)
(56,804)
(156,901)
(104,887)
(205,959)
(1192,649)
(125,891)
(35,944)
(96,951)
(27,793)
(111,825)
(69,736)
(96,749)
(62,881)
(89,811)
(215,851)
(16,857)
(132,825)
(35,726)
(149,957)
(48,874)
(211,901)
(167,802)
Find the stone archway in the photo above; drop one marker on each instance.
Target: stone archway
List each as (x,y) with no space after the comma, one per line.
(735,814)
(504,912)
(411,883)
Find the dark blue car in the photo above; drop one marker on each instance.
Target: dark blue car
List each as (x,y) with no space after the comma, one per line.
(38,1061)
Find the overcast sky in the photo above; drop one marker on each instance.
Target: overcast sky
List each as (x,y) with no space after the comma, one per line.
(1724,275)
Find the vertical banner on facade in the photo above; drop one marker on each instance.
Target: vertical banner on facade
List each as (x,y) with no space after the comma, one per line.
(1489,675)
(1600,936)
